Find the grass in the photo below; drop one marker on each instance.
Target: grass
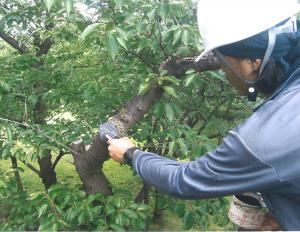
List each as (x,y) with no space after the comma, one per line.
(118,175)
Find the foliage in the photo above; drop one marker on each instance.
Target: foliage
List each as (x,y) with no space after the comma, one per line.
(65,208)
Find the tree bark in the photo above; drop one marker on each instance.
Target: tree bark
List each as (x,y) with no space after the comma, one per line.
(47,173)
(89,165)
(14,164)
(14,43)
(143,195)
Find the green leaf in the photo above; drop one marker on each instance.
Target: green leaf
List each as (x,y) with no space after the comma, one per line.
(188,220)
(112,45)
(217,75)
(81,218)
(81,194)
(172,146)
(49,4)
(164,10)
(9,134)
(33,99)
(54,227)
(118,4)
(130,213)
(142,44)
(177,37)
(179,209)
(169,112)
(118,202)
(74,213)
(166,35)
(42,210)
(139,224)
(6,152)
(116,227)
(122,42)
(183,147)
(139,27)
(123,34)
(144,88)
(122,219)
(69,5)
(186,37)
(89,30)
(44,226)
(170,90)
(189,80)
(169,79)
(5,87)
(142,207)
(151,14)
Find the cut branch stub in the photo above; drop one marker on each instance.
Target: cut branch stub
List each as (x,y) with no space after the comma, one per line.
(178,66)
(89,166)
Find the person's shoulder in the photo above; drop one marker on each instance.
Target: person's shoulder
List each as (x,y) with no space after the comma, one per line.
(272,132)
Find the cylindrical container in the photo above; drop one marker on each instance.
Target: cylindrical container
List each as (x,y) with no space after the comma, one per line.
(247,212)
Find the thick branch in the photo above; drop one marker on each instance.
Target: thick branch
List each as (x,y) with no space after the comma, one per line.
(14,43)
(89,163)
(45,46)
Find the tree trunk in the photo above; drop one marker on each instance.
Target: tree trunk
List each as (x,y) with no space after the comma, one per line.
(158,213)
(143,195)
(47,173)
(89,165)
(14,164)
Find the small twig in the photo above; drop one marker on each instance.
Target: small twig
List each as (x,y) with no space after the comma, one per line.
(39,131)
(52,204)
(146,62)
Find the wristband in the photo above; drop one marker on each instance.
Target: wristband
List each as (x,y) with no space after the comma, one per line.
(128,156)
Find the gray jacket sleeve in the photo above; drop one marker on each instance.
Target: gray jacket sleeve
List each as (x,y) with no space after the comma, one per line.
(232,168)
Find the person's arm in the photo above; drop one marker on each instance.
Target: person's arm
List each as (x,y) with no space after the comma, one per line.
(232,168)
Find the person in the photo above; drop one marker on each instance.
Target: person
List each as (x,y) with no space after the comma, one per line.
(258,45)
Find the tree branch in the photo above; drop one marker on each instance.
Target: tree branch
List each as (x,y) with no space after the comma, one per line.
(32,168)
(146,62)
(14,43)
(58,158)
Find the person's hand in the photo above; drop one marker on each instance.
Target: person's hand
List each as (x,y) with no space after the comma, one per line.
(117,147)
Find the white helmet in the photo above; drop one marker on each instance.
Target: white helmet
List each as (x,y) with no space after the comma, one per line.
(223,22)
